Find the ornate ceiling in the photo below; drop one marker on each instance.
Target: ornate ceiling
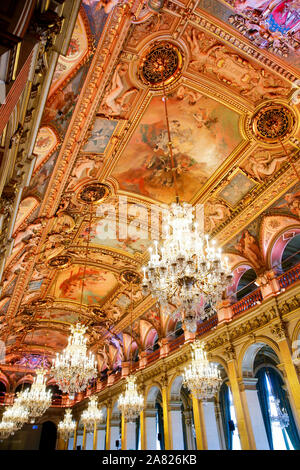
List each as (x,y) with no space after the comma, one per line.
(103,139)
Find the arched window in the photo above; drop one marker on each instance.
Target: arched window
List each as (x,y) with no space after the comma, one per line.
(22,386)
(246,284)
(270,388)
(291,254)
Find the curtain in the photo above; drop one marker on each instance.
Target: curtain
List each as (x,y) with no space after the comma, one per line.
(279,392)
(262,393)
(160,425)
(225,413)
(137,432)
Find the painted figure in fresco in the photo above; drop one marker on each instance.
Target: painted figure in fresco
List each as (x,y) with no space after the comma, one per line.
(248,247)
(293,203)
(107,5)
(32,230)
(216,213)
(187,94)
(71,287)
(114,101)
(216,59)
(272,24)
(263,166)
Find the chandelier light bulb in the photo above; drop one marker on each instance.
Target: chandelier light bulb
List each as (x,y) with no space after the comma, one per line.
(186,269)
(67,426)
(131,403)
(73,369)
(201,377)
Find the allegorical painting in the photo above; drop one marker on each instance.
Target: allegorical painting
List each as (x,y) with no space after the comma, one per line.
(78,47)
(97,284)
(204,133)
(64,316)
(45,144)
(101,132)
(273,25)
(26,208)
(236,189)
(54,339)
(117,237)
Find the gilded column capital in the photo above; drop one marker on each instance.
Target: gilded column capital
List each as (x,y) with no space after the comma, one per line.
(279,331)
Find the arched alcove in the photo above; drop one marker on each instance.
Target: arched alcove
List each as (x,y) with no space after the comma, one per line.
(48,436)
(266,395)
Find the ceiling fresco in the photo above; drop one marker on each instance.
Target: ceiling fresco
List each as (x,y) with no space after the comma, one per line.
(103,135)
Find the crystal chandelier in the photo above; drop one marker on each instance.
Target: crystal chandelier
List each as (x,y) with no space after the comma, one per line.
(186,270)
(36,399)
(280,417)
(92,416)
(131,403)
(66,427)
(16,414)
(73,368)
(6,429)
(202,377)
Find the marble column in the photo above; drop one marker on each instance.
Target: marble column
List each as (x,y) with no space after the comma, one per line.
(131,436)
(188,423)
(176,423)
(258,426)
(101,437)
(89,440)
(211,427)
(114,432)
(150,428)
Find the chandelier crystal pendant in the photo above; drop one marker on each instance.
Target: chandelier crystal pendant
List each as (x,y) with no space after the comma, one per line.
(131,403)
(92,416)
(67,426)
(201,377)
(74,368)
(36,399)
(185,270)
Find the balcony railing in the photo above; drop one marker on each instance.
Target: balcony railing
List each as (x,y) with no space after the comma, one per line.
(289,277)
(247,302)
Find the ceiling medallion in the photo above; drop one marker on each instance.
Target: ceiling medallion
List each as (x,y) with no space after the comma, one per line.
(161,64)
(94,193)
(60,261)
(130,277)
(272,123)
